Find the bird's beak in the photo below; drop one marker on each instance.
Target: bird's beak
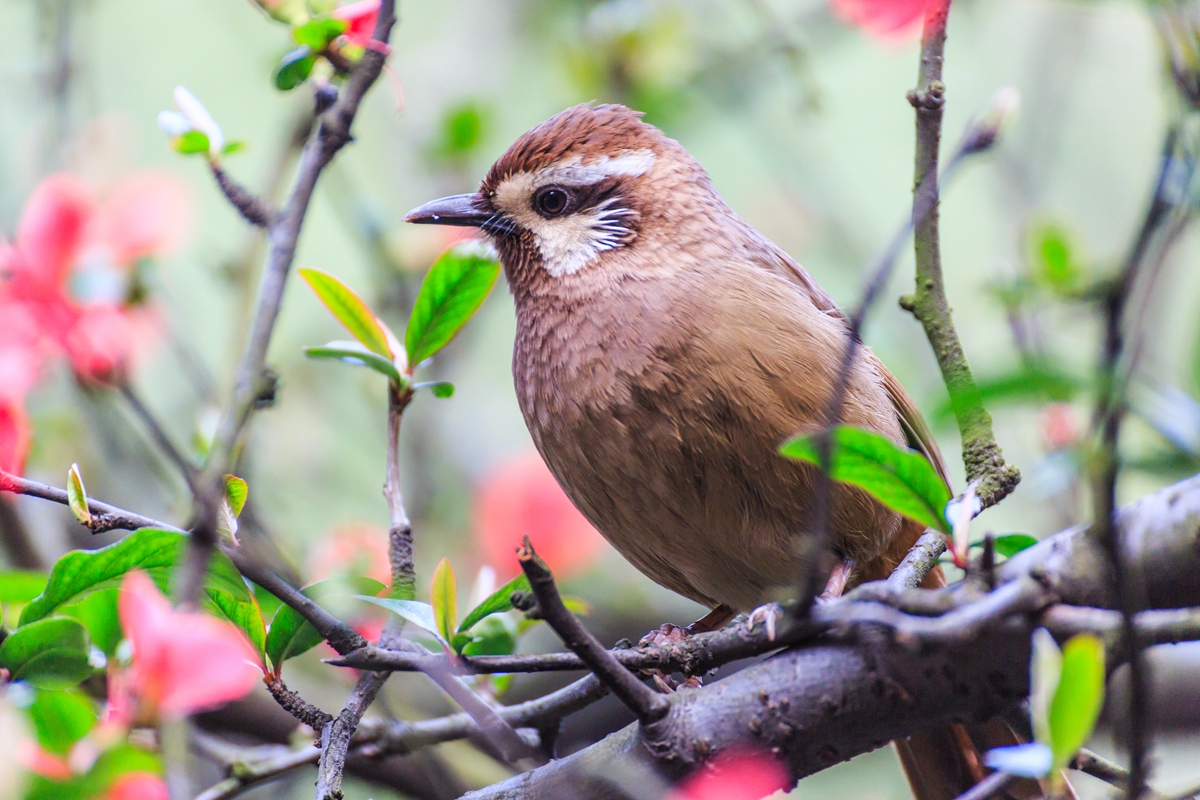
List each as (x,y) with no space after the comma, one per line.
(461,209)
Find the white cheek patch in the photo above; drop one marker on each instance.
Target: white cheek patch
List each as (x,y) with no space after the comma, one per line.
(568,243)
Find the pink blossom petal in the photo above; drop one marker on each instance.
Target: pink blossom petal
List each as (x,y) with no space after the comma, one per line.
(182,661)
(744,775)
(352,550)
(52,227)
(15,436)
(145,215)
(361,17)
(105,339)
(888,19)
(138,786)
(42,762)
(522,497)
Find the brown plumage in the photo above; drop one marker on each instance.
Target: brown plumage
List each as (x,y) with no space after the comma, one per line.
(664,350)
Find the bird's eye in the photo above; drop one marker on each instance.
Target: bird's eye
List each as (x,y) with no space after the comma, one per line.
(551,201)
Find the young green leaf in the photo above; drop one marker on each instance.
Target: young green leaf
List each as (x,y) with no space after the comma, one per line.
(77,496)
(99,613)
(499,601)
(318,32)
(419,614)
(355,353)
(290,634)
(294,68)
(441,389)
(236,491)
(443,596)
(1079,697)
(350,310)
(191,142)
(243,613)
(61,718)
(1045,669)
(453,289)
(233,147)
(900,478)
(1010,544)
(51,653)
(494,636)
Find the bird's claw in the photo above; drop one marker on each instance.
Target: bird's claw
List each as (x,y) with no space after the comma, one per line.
(768,615)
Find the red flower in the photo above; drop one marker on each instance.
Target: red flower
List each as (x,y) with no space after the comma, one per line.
(182,661)
(520,497)
(352,550)
(744,775)
(884,18)
(1059,426)
(138,786)
(360,17)
(14,437)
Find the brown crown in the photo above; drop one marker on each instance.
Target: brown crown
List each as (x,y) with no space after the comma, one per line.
(584,130)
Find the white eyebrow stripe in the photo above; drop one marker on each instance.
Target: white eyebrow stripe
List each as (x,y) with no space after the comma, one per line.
(630,163)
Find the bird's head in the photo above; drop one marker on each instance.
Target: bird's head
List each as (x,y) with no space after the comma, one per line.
(573,192)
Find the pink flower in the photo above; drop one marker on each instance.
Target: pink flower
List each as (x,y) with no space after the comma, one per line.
(182,661)
(887,19)
(521,497)
(14,437)
(740,775)
(360,18)
(352,550)
(138,786)
(1059,426)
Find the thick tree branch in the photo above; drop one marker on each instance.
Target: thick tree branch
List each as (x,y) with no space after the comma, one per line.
(833,700)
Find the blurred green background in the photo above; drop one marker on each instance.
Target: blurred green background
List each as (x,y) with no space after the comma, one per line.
(800,119)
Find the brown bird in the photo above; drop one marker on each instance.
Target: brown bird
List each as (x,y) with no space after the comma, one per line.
(664,351)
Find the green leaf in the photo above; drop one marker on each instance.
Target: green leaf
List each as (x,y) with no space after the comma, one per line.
(441,389)
(51,653)
(81,572)
(419,614)
(355,353)
(443,596)
(294,68)
(233,147)
(1054,264)
(236,491)
(1034,384)
(499,601)
(77,496)
(99,614)
(191,142)
(1045,669)
(494,636)
(350,310)
(451,293)
(61,718)
(290,634)
(318,32)
(243,613)
(21,586)
(901,479)
(1010,544)
(1079,697)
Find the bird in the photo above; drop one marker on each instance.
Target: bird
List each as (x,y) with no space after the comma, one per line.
(664,351)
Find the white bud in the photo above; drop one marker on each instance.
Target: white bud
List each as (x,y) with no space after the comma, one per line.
(200,119)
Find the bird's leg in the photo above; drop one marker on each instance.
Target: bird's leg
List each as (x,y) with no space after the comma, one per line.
(837,580)
(668,634)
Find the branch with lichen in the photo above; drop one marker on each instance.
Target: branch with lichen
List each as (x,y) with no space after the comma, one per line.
(981,454)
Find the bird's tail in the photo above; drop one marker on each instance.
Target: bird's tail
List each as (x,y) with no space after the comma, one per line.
(942,763)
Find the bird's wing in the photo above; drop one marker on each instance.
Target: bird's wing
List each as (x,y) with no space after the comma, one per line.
(920,437)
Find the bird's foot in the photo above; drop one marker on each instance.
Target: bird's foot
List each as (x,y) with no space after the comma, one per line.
(768,615)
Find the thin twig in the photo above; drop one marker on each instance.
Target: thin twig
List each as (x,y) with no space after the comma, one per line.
(981,455)
(186,468)
(648,705)
(252,381)
(1099,767)
(1110,410)
(104,517)
(253,208)
(296,705)
(400,539)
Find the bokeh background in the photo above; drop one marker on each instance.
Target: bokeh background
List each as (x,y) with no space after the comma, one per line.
(800,118)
